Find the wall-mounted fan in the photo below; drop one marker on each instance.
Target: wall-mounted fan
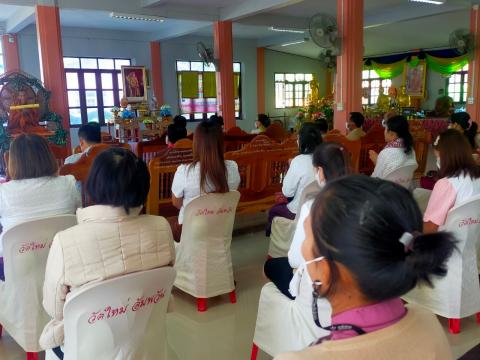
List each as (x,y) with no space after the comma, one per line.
(206,54)
(462,41)
(328,59)
(324,32)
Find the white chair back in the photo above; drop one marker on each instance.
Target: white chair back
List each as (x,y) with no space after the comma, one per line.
(283,229)
(203,261)
(403,175)
(119,319)
(457,295)
(25,251)
(285,325)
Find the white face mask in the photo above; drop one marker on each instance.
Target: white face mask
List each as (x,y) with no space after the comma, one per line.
(438,163)
(294,287)
(320,183)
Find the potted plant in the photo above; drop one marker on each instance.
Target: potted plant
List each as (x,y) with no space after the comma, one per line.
(148,123)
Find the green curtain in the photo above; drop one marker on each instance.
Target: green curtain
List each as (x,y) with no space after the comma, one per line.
(387,71)
(446,66)
(236,85)
(209,85)
(189,84)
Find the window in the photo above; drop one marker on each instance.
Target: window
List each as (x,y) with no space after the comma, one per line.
(202,107)
(372,82)
(457,86)
(2,64)
(292,90)
(94,86)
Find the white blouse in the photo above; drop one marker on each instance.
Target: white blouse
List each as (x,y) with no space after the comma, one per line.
(295,257)
(186,183)
(392,158)
(32,199)
(300,173)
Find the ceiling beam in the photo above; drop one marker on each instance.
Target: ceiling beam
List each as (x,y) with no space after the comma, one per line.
(241,9)
(151,3)
(20,20)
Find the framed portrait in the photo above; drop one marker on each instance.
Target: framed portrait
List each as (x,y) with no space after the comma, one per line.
(134,83)
(414,79)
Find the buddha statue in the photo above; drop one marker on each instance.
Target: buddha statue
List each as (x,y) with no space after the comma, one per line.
(403,99)
(383,102)
(24,117)
(314,95)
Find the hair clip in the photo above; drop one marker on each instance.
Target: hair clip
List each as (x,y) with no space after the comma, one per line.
(436,141)
(407,240)
(341,148)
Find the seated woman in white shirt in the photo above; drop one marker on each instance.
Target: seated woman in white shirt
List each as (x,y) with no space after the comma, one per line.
(299,174)
(459,178)
(399,149)
(111,238)
(208,173)
(363,250)
(35,190)
(330,161)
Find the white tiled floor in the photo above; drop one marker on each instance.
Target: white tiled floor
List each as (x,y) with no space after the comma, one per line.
(225,331)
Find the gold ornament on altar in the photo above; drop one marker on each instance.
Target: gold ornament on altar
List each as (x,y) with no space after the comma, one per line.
(383,102)
(403,99)
(314,96)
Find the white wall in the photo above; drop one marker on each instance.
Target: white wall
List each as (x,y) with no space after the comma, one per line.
(278,62)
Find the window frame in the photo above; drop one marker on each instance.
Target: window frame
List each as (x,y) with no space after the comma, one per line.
(80,72)
(294,84)
(191,116)
(463,86)
(371,100)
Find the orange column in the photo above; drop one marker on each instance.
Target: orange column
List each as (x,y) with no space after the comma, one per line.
(51,61)
(222,34)
(156,72)
(348,89)
(10,52)
(473,98)
(261,80)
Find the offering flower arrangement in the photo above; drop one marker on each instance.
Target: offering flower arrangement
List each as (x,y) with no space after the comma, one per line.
(323,108)
(165,110)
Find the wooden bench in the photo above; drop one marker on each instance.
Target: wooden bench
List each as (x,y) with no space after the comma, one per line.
(373,140)
(352,147)
(147,150)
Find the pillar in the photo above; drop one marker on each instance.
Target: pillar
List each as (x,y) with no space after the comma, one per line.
(473,97)
(222,34)
(10,52)
(261,80)
(51,61)
(329,82)
(348,89)
(156,72)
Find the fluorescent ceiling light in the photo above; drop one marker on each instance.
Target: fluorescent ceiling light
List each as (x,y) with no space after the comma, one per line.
(136,17)
(294,43)
(434,2)
(287,30)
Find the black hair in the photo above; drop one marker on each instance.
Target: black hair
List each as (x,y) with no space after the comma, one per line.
(357,118)
(309,137)
(264,120)
(176,132)
(358,221)
(91,133)
(118,178)
(333,159)
(399,125)
(322,124)
(180,121)
(469,130)
(217,119)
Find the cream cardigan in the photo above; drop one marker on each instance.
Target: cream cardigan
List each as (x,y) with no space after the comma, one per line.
(417,336)
(105,244)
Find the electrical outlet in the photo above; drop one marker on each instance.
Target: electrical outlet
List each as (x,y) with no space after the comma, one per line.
(470,100)
(339,106)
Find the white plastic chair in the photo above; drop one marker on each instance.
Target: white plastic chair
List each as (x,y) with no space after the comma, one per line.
(403,175)
(457,295)
(285,325)
(119,319)
(283,229)
(25,251)
(203,261)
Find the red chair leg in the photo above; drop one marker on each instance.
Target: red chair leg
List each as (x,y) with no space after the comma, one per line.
(233,297)
(478,321)
(201,304)
(454,326)
(32,356)
(254,354)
